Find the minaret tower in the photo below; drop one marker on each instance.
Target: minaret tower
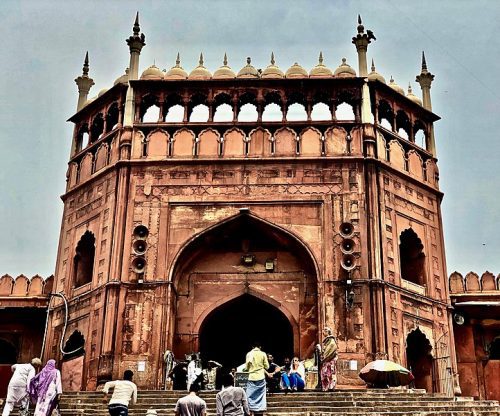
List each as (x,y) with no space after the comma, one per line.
(425,80)
(135,43)
(84,83)
(361,41)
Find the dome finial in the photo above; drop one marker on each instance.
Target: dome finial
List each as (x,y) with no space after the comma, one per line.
(424,63)
(178,60)
(86,65)
(320,59)
(361,28)
(409,88)
(249,60)
(201,59)
(373,65)
(136,28)
(272,58)
(224,62)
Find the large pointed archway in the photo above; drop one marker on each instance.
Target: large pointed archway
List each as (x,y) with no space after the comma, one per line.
(227,333)
(246,270)
(419,359)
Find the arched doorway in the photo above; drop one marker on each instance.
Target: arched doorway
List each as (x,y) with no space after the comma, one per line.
(220,278)
(419,359)
(228,331)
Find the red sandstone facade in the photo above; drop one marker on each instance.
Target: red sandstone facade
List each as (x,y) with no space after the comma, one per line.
(181,235)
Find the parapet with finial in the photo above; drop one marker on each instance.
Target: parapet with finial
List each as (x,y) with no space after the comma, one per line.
(473,283)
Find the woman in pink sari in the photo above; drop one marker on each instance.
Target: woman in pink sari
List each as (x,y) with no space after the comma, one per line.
(45,389)
(328,361)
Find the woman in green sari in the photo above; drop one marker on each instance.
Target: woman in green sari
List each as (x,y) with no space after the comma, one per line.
(328,361)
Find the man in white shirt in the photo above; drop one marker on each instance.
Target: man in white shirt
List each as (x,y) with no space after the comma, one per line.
(17,393)
(125,391)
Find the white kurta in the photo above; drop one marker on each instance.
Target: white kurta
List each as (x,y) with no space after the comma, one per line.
(17,393)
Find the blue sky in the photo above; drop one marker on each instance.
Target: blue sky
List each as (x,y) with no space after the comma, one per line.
(45,42)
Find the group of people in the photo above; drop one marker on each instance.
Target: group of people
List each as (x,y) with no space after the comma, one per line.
(27,385)
(44,388)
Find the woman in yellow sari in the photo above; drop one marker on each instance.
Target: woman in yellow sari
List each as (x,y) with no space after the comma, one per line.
(328,361)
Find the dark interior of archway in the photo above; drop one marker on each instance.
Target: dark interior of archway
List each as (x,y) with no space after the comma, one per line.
(418,353)
(8,352)
(228,332)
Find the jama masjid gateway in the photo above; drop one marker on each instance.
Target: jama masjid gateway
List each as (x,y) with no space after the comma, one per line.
(204,210)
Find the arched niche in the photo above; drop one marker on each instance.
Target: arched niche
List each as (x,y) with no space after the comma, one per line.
(183,143)
(6,284)
(456,283)
(36,286)
(86,167)
(397,155)
(157,144)
(472,282)
(488,281)
(259,144)
(234,145)
(285,142)
(432,173)
(311,143)
(101,157)
(74,346)
(244,255)
(412,257)
(335,141)
(20,286)
(208,143)
(415,165)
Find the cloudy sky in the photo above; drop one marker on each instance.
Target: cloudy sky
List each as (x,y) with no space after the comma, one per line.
(44,43)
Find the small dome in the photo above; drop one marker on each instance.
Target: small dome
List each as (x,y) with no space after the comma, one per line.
(272,70)
(153,72)
(344,70)
(225,71)
(90,100)
(177,71)
(396,87)
(412,96)
(123,79)
(102,92)
(320,70)
(296,71)
(375,76)
(248,71)
(200,72)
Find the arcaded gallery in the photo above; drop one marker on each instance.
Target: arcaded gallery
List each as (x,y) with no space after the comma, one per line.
(205,210)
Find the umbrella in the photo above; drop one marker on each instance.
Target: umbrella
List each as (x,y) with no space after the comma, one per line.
(385,373)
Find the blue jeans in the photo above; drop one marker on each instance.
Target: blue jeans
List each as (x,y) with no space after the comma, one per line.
(292,381)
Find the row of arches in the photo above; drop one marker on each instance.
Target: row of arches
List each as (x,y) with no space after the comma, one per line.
(23,286)
(248,106)
(399,122)
(101,124)
(407,160)
(473,283)
(259,142)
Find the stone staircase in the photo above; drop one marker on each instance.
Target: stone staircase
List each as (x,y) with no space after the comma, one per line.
(309,403)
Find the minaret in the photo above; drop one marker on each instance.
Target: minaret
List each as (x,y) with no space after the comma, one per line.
(425,80)
(135,43)
(361,41)
(84,83)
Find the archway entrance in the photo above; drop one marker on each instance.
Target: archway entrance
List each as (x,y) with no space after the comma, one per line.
(227,332)
(419,359)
